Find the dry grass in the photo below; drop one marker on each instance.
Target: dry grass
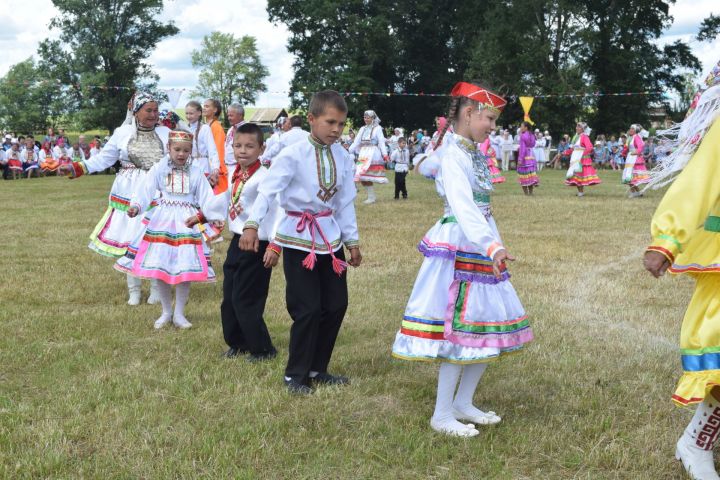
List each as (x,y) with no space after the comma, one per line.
(88,389)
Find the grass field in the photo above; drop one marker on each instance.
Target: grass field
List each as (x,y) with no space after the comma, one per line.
(89,390)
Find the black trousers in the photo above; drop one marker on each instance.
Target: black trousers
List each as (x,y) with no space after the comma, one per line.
(245,290)
(316,300)
(400,184)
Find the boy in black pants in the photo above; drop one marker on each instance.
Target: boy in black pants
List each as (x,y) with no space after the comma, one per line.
(247,273)
(313,182)
(401,158)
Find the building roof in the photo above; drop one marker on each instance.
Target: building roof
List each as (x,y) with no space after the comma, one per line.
(268,115)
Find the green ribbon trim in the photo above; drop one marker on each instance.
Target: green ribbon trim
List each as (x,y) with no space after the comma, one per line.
(481,197)
(699,351)
(450,219)
(712,224)
(672,240)
(458,325)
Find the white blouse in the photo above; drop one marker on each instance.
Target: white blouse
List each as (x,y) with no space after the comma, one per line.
(314,178)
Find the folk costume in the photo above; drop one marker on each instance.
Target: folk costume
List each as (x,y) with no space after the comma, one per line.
(685,230)
(459,313)
(138,149)
(526,164)
(581,172)
(371,150)
(314,185)
(488,151)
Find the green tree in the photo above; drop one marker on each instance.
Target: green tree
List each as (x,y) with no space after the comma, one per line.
(17,98)
(27,99)
(101,52)
(523,47)
(620,55)
(231,69)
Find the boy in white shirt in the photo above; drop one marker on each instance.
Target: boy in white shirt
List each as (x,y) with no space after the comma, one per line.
(247,273)
(313,182)
(401,158)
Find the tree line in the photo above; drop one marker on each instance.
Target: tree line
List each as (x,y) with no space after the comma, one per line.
(521,47)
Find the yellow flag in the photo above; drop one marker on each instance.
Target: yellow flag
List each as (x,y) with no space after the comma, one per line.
(526,103)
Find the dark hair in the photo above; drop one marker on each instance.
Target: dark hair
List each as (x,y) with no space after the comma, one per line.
(252,129)
(216,104)
(402,139)
(327,98)
(296,121)
(527,125)
(29,136)
(456,104)
(195,104)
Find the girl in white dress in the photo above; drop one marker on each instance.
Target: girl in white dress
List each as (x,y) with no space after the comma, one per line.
(166,249)
(463,311)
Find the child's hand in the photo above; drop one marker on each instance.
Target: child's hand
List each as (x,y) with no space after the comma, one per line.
(656,263)
(213,178)
(499,260)
(355,257)
(132,212)
(270,259)
(192,221)
(249,240)
(219,224)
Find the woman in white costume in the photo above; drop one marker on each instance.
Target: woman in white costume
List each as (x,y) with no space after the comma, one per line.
(138,144)
(369,145)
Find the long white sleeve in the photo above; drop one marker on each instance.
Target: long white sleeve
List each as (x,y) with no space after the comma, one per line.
(344,204)
(107,157)
(381,141)
(205,198)
(150,184)
(279,176)
(209,141)
(459,194)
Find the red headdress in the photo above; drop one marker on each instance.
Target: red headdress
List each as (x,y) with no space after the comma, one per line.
(180,136)
(486,98)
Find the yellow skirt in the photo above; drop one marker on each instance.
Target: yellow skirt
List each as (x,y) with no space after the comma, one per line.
(700,342)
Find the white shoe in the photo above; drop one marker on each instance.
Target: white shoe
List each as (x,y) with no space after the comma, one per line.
(181,322)
(369,201)
(482,418)
(162,321)
(581,194)
(698,463)
(454,428)
(134,298)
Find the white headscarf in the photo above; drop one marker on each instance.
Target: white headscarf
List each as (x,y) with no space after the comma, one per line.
(373,115)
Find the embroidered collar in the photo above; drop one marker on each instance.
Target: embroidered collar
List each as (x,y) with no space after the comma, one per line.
(327,174)
(239,179)
(479,162)
(244,175)
(316,143)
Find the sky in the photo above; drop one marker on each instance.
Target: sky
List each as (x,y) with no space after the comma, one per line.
(25,24)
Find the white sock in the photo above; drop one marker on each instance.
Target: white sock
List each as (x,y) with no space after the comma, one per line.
(463,405)
(153,298)
(165,296)
(182,292)
(134,290)
(443,420)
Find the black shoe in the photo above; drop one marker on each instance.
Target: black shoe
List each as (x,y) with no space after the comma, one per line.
(233,352)
(297,388)
(261,357)
(325,378)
